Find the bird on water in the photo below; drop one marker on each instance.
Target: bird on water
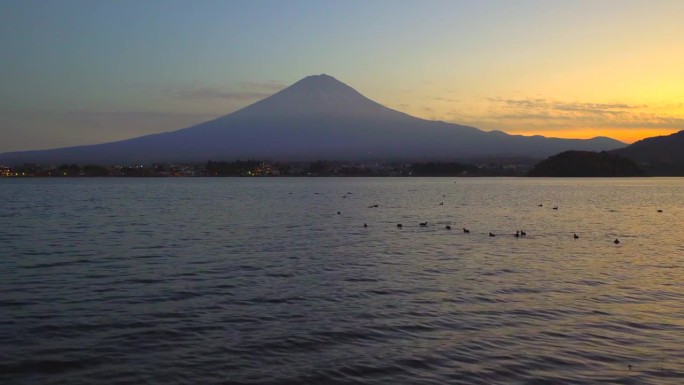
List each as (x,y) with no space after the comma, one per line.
(423,224)
(448,227)
(365,225)
(492,235)
(466,231)
(399,225)
(575,236)
(616,241)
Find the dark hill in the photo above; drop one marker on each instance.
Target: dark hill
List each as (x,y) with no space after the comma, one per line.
(659,155)
(318,117)
(586,164)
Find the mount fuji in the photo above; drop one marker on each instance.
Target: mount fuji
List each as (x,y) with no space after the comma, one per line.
(318,117)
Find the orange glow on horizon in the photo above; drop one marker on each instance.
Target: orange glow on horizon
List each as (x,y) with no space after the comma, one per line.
(624,135)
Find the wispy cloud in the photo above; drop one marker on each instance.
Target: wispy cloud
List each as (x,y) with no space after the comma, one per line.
(264,86)
(214,93)
(440,99)
(243,92)
(550,113)
(545,104)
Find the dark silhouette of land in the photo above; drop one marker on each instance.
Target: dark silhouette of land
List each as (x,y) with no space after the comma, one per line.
(660,155)
(586,164)
(257,168)
(318,117)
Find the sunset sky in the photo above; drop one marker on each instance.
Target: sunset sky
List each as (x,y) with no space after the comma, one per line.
(83,72)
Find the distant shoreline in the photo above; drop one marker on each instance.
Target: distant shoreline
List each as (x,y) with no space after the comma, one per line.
(257,168)
(569,164)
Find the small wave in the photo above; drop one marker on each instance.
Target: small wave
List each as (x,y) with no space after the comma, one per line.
(57,264)
(358,279)
(279,275)
(46,366)
(148,247)
(15,303)
(282,300)
(519,290)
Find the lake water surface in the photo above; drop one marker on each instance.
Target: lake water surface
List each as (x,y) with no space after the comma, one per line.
(261,281)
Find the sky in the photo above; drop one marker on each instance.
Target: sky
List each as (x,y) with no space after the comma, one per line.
(76,72)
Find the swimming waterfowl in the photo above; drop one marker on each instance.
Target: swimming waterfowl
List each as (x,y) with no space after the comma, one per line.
(555,207)
(466,231)
(616,241)
(492,235)
(423,224)
(517,234)
(399,225)
(522,233)
(448,227)
(575,236)
(365,225)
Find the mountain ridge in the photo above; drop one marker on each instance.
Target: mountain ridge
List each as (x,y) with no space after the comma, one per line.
(317,117)
(660,155)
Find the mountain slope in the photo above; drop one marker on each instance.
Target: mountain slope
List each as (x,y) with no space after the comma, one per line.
(318,117)
(661,155)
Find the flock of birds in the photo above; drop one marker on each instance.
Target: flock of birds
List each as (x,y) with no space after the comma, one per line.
(518,233)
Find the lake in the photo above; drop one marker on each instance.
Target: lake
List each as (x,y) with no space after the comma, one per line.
(262,281)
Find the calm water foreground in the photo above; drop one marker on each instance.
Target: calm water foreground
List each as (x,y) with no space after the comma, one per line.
(261,281)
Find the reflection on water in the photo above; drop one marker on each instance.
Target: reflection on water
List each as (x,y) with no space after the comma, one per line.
(261,281)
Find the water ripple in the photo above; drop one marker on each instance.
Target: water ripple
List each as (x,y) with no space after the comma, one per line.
(236,281)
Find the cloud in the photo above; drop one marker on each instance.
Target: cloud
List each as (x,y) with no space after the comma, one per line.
(439,99)
(537,112)
(244,92)
(593,106)
(542,103)
(214,93)
(264,86)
